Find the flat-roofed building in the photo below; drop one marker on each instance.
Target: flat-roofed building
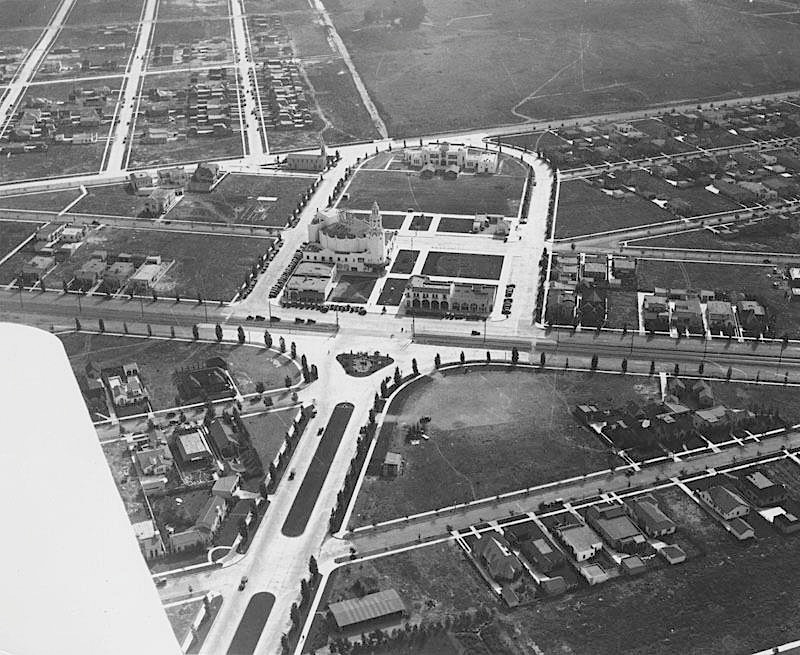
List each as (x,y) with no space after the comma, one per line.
(192,447)
(423,295)
(582,542)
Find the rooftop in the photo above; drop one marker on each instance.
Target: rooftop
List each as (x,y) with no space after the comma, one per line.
(371,606)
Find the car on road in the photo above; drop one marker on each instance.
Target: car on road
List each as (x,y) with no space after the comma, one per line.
(320,431)
(291,474)
(475,333)
(260,318)
(161,582)
(249,318)
(243,583)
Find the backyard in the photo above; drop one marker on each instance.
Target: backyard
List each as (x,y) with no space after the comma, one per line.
(468,194)
(159,358)
(516,431)
(585,209)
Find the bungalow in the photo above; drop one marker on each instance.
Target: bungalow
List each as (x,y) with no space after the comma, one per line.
(226,487)
(223,438)
(160,201)
(581,541)
(90,273)
(50,233)
(594,574)
(752,316)
(787,523)
(720,316)
(73,234)
(392,465)
(648,515)
(116,276)
(612,524)
(154,461)
(189,539)
(633,565)
(655,312)
(495,553)
(205,177)
(724,502)
(212,515)
(175,177)
(703,394)
(760,490)
(36,268)
(542,555)
(687,315)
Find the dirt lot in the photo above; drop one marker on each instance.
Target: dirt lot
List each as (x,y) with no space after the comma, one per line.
(400,191)
(491,61)
(124,473)
(622,310)
(158,359)
(484,442)
(110,200)
(585,209)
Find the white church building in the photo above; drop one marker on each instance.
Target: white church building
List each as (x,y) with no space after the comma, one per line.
(351,241)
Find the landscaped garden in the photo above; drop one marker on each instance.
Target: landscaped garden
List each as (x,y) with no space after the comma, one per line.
(361,365)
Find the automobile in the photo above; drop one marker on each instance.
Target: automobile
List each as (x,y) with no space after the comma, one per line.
(297,319)
(243,583)
(291,474)
(249,318)
(767,261)
(362,312)
(310,320)
(259,317)
(320,431)
(161,582)
(274,319)
(476,333)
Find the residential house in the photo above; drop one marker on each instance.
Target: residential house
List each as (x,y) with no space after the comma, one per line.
(36,268)
(752,317)
(741,529)
(73,234)
(560,306)
(154,461)
(212,515)
(542,555)
(224,438)
(687,315)
(50,233)
(592,308)
(172,177)
(724,502)
(495,553)
(581,541)
(720,316)
(192,448)
(125,385)
(646,512)
(624,268)
(760,490)
(149,539)
(614,526)
(633,565)
(160,201)
(760,191)
(205,177)
(226,486)
(553,586)
(787,523)
(190,539)
(594,574)
(655,313)
(147,275)
(116,276)
(702,393)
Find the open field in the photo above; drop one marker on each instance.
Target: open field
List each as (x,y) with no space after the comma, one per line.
(12,233)
(392,291)
(491,62)
(622,309)
(105,11)
(184,9)
(110,200)
(22,14)
(212,266)
(482,439)
(706,240)
(158,359)
(751,281)
(469,194)
(268,431)
(585,209)
(783,400)
(272,199)
(418,576)
(353,289)
(45,201)
(460,264)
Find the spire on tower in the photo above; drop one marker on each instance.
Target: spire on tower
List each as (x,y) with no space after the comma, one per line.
(375,218)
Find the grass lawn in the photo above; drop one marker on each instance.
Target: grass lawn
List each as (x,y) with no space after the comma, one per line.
(420,222)
(275,198)
(268,431)
(405,260)
(458,264)
(706,240)
(59,160)
(454,224)
(353,289)
(181,617)
(393,221)
(213,266)
(181,8)
(12,233)
(110,200)
(585,209)
(179,510)
(469,194)
(751,281)
(480,59)
(159,358)
(12,267)
(491,432)
(533,140)
(392,291)
(622,309)
(47,201)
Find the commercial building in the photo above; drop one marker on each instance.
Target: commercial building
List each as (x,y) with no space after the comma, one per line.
(311,282)
(424,296)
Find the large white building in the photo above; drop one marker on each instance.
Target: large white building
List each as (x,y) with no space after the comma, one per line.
(352,242)
(444,157)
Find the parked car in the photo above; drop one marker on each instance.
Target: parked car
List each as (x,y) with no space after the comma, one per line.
(259,317)
(243,583)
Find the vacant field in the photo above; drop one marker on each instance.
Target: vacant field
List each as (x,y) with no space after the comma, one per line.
(737,280)
(705,240)
(59,160)
(105,11)
(405,260)
(490,61)
(784,400)
(47,201)
(392,291)
(110,200)
(622,309)
(268,432)
(13,233)
(158,359)
(353,289)
(182,616)
(469,194)
(210,266)
(483,440)
(533,140)
(585,209)
(273,197)
(188,9)
(457,264)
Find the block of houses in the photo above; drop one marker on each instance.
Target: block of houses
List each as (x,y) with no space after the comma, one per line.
(495,553)
(581,541)
(646,512)
(225,487)
(615,527)
(724,502)
(720,316)
(160,201)
(154,461)
(673,554)
(542,555)
(392,465)
(37,267)
(223,437)
(760,490)
(149,539)
(192,447)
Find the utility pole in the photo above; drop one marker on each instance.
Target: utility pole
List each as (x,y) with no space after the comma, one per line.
(484,331)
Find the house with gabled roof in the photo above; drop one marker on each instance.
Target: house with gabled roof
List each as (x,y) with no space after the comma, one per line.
(724,502)
(646,512)
(495,553)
